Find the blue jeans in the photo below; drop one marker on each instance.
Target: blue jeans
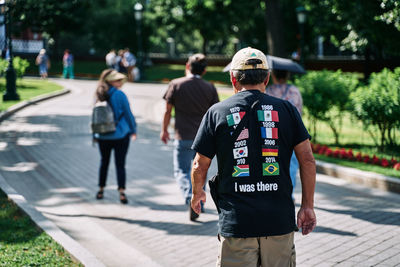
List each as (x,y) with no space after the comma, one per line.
(183,156)
(294,166)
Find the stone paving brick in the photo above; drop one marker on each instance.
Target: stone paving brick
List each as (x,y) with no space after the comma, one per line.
(46,155)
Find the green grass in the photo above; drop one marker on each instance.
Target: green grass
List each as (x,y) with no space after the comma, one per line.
(353,135)
(23,244)
(359,165)
(157,73)
(89,69)
(165,73)
(224,95)
(27,89)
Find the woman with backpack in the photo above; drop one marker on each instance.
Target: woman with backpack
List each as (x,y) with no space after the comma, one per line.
(125,128)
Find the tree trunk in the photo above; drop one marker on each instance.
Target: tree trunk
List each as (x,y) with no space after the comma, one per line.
(367,62)
(335,132)
(205,43)
(275,29)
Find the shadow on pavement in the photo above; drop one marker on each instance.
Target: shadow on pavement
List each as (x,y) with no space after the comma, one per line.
(372,216)
(322,229)
(200,228)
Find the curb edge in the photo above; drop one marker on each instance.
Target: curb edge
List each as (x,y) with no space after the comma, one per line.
(17,107)
(369,179)
(77,251)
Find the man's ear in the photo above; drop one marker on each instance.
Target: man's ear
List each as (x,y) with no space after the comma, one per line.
(267,79)
(187,68)
(233,80)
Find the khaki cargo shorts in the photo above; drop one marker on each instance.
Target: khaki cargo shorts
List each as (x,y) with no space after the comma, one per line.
(268,251)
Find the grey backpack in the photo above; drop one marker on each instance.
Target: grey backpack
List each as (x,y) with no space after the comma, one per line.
(103,118)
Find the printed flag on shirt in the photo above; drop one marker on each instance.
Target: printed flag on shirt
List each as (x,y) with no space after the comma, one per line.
(270,169)
(244,134)
(271,133)
(235,118)
(269,152)
(240,171)
(267,115)
(240,152)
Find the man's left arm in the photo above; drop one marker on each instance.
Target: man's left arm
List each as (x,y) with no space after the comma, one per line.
(201,164)
(164,135)
(306,218)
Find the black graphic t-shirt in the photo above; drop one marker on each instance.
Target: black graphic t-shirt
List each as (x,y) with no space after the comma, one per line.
(255,186)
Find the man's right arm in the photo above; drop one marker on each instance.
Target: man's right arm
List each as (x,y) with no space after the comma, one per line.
(164,135)
(306,218)
(200,167)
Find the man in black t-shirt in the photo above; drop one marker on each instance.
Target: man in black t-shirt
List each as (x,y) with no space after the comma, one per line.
(256,211)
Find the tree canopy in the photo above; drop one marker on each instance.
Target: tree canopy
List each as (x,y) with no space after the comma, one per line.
(217,26)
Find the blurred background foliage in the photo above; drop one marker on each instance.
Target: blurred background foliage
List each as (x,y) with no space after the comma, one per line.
(92,27)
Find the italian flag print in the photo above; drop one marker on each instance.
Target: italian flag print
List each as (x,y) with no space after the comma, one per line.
(267,115)
(240,171)
(271,133)
(235,118)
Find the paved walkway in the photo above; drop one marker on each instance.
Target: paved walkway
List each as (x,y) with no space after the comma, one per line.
(47,156)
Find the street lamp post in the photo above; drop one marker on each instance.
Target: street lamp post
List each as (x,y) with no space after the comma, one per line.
(11,90)
(138,8)
(301,19)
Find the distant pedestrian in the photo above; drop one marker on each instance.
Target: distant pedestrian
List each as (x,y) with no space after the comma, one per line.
(281,89)
(130,63)
(68,65)
(121,65)
(253,136)
(111,59)
(191,97)
(108,90)
(43,61)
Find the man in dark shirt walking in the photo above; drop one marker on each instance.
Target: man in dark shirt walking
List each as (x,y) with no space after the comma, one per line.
(253,136)
(191,97)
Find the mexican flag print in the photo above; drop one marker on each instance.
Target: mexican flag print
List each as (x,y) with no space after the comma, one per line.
(235,118)
(267,115)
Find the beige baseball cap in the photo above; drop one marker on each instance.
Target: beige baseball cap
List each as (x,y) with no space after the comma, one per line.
(242,60)
(115,76)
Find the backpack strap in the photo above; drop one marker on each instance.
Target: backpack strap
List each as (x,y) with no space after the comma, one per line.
(240,126)
(214,181)
(243,121)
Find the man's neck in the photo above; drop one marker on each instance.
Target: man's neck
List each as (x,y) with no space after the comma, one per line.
(190,75)
(247,87)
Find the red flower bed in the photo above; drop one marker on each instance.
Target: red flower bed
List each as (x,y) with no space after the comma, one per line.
(342,153)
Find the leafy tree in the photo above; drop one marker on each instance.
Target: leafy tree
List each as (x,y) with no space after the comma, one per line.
(51,16)
(326,97)
(209,23)
(359,26)
(379,104)
(19,64)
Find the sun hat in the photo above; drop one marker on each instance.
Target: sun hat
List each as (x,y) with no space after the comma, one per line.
(196,58)
(242,60)
(115,76)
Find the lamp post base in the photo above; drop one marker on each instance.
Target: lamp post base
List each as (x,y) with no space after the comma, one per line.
(11,91)
(7,96)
